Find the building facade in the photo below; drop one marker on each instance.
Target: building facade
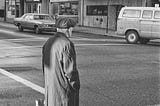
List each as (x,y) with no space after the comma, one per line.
(104,13)
(16,8)
(65,8)
(32,6)
(94,13)
(89,13)
(2,6)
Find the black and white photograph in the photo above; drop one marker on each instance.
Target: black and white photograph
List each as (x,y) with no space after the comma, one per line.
(79,52)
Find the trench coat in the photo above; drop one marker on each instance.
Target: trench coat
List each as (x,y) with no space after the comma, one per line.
(61,76)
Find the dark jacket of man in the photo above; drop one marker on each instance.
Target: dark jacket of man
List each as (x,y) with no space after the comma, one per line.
(60,71)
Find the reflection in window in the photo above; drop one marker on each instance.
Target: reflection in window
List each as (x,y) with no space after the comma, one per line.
(147,14)
(97,10)
(42,17)
(68,8)
(157,15)
(131,13)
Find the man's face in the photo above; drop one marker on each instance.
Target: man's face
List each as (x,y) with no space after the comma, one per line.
(70,32)
(67,32)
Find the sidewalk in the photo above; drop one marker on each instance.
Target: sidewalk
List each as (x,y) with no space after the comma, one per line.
(80,29)
(92,30)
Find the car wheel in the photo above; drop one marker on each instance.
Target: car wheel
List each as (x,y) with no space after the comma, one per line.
(132,37)
(20,28)
(143,40)
(37,31)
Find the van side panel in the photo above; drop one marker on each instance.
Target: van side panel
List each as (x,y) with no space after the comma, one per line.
(128,20)
(131,24)
(156,25)
(156,29)
(146,28)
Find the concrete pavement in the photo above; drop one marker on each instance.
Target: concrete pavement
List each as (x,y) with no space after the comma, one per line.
(80,29)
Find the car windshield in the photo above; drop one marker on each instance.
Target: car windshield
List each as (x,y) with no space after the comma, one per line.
(42,17)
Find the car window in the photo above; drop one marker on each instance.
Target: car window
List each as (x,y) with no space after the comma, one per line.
(157,15)
(147,14)
(29,17)
(131,13)
(42,17)
(24,15)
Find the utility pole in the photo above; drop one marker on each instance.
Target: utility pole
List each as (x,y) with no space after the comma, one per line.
(107,25)
(5,10)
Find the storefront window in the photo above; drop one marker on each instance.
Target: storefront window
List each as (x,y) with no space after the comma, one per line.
(11,7)
(68,8)
(97,10)
(33,1)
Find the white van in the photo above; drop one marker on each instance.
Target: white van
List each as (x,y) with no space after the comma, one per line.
(139,24)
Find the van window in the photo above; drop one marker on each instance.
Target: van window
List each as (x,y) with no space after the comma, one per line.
(147,14)
(131,13)
(157,15)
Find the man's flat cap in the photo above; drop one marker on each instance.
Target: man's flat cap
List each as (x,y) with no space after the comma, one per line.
(65,22)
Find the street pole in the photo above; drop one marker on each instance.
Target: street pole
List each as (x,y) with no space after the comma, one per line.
(107,17)
(4,10)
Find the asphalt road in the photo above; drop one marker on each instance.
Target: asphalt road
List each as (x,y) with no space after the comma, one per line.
(112,73)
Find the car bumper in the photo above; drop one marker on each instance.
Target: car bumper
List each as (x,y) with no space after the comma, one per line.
(49,29)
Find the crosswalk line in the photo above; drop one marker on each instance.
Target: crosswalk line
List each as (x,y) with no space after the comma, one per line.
(23,81)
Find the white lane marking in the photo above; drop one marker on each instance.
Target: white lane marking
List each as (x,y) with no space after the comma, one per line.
(90,39)
(23,81)
(42,38)
(20,47)
(15,33)
(26,39)
(28,47)
(113,44)
(74,39)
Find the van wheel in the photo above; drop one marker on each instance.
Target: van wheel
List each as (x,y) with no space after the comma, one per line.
(143,40)
(20,28)
(132,37)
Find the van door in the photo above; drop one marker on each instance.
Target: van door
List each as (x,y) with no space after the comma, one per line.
(146,24)
(156,25)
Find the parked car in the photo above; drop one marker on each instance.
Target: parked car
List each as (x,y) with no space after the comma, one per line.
(139,24)
(36,22)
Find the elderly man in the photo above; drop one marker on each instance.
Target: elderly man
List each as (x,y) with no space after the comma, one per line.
(62,82)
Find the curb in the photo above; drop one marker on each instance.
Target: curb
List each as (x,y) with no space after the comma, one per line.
(8,23)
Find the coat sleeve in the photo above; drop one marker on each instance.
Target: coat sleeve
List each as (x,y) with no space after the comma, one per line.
(70,68)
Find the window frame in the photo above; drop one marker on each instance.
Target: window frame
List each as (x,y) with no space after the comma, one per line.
(147,17)
(68,8)
(99,8)
(138,16)
(155,14)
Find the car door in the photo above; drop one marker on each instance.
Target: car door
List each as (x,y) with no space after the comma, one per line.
(146,24)
(156,25)
(28,22)
(23,20)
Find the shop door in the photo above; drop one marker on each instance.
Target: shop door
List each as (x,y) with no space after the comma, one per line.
(32,8)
